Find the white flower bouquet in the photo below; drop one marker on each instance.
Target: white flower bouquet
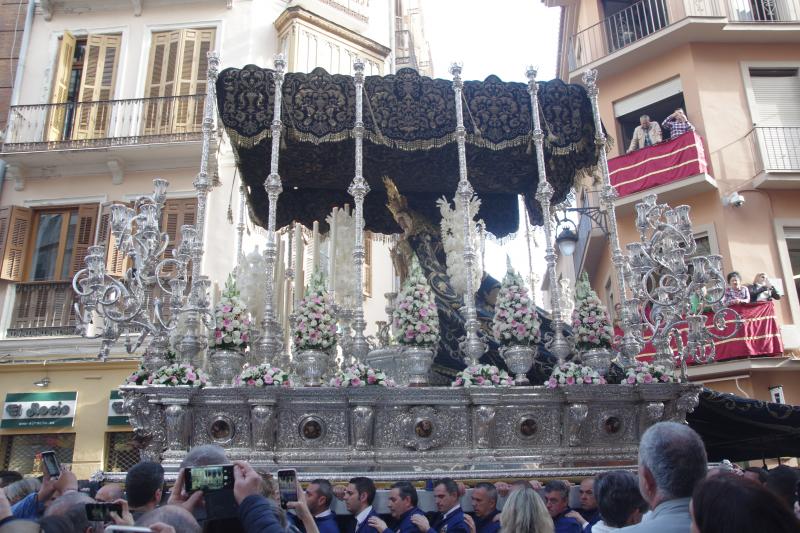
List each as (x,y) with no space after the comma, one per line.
(141,376)
(515,321)
(415,316)
(645,372)
(483,376)
(232,329)
(360,375)
(315,325)
(263,375)
(573,374)
(591,327)
(179,374)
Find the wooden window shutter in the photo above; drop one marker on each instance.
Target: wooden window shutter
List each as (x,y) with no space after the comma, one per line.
(116,262)
(57,113)
(15,228)
(97,86)
(161,81)
(84,237)
(191,78)
(177,212)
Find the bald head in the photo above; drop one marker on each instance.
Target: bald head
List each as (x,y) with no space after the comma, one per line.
(109,493)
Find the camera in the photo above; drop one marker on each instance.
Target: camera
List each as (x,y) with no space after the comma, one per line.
(735,199)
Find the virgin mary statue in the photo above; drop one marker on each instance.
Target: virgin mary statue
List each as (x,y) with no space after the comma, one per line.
(422,238)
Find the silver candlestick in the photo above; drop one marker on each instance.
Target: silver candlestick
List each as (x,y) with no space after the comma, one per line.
(359,189)
(557,343)
(269,343)
(671,286)
(472,346)
(629,345)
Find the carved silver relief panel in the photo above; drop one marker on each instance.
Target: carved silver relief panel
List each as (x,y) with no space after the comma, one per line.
(323,428)
(526,426)
(228,427)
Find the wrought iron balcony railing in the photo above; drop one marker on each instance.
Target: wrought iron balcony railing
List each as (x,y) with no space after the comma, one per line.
(43,309)
(75,125)
(779,148)
(646,17)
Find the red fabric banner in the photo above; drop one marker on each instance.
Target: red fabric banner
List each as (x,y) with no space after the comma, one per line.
(759,335)
(659,164)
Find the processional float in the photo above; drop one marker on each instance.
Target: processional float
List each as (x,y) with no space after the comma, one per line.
(494,430)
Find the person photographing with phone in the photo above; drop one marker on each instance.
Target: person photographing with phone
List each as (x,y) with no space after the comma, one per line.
(318,496)
(56,482)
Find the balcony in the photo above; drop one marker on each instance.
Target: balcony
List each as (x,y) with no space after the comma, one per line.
(43,309)
(80,125)
(673,170)
(777,157)
(635,24)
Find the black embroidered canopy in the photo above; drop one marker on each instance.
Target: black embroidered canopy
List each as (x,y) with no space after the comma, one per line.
(410,124)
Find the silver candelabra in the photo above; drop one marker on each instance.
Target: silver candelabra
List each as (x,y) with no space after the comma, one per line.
(671,286)
(129,304)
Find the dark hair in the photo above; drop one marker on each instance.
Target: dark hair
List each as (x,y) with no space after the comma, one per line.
(76,515)
(490,489)
(617,494)
(731,503)
(9,476)
(782,481)
(760,472)
(142,482)
(406,490)
(449,484)
(172,515)
(325,490)
(558,486)
(366,486)
(732,274)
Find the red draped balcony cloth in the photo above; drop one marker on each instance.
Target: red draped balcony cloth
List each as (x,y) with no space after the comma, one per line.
(759,335)
(657,165)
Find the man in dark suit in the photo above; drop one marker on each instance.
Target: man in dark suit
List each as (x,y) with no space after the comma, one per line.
(403,506)
(451,520)
(358,497)
(484,503)
(556,497)
(319,496)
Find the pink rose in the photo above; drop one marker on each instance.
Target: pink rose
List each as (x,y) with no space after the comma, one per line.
(479,380)
(587,379)
(631,380)
(371,379)
(268,380)
(552,383)
(648,378)
(570,380)
(355,382)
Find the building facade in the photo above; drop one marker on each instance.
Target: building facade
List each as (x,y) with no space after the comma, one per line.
(111,96)
(734,67)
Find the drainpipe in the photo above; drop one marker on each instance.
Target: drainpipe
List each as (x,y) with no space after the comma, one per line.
(3,167)
(23,52)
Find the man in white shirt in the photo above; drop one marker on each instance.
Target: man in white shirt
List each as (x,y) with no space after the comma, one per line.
(358,497)
(447,498)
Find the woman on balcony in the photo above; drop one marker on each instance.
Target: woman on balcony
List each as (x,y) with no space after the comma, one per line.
(762,289)
(736,293)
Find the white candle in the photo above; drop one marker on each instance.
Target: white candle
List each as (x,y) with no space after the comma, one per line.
(332,252)
(316,245)
(280,271)
(298,257)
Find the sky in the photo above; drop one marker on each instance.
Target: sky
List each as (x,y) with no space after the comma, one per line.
(500,37)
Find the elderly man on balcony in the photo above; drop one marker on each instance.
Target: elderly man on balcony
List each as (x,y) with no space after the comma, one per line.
(646,134)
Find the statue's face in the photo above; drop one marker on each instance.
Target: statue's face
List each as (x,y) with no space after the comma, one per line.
(491,298)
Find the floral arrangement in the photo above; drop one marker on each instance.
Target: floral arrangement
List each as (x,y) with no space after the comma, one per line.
(573,374)
(515,320)
(140,376)
(232,329)
(178,374)
(645,372)
(591,326)
(360,375)
(315,326)
(415,316)
(483,376)
(263,375)
(453,241)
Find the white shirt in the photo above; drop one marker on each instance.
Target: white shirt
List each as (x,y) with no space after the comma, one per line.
(324,513)
(448,513)
(360,517)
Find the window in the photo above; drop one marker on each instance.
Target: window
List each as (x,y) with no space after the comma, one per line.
(793,244)
(176,81)
(121,453)
(83,87)
(775,105)
(60,241)
(657,111)
(19,451)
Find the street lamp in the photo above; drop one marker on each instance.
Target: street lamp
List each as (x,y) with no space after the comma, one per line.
(567,239)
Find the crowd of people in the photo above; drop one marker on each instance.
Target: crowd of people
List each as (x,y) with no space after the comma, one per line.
(674,491)
(648,132)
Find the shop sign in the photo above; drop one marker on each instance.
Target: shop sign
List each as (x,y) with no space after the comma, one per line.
(39,409)
(116,414)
